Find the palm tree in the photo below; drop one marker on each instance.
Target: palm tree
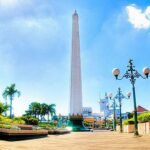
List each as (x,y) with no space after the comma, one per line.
(44,109)
(10,92)
(51,110)
(35,109)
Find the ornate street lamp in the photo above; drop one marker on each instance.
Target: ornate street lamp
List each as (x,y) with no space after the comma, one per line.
(132,74)
(114,110)
(119,96)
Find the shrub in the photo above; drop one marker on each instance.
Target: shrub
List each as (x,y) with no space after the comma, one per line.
(33,121)
(145,117)
(18,120)
(5,119)
(1,118)
(128,121)
(47,126)
(130,115)
(8,126)
(3,108)
(30,120)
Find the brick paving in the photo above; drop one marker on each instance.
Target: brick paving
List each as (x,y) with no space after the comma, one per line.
(97,140)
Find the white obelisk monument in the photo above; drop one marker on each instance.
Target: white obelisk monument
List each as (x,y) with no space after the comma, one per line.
(76,82)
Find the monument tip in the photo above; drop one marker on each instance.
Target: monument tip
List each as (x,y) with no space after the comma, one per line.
(75,12)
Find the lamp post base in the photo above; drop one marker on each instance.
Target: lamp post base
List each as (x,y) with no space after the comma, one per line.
(136,133)
(121,131)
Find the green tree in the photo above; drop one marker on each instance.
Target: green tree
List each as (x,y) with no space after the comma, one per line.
(44,109)
(130,115)
(11,92)
(3,108)
(51,110)
(35,109)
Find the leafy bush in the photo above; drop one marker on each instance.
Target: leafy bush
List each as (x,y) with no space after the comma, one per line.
(30,120)
(5,119)
(1,117)
(33,121)
(145,117)
(8,126)
(3,108)
(47,126)
(128,121)
(18,120)
(130,115)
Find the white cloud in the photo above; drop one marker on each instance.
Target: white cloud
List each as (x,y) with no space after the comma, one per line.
(138,18)
(32,23)
(7,5)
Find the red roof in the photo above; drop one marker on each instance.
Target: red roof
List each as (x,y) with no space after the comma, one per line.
(141,109)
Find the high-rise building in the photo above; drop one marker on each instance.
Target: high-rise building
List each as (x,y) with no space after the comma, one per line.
(104,107)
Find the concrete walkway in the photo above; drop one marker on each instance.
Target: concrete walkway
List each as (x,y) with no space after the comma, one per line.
(82,141)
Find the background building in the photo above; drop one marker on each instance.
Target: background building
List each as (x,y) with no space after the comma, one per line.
(104,107)
(141,109)
(87,111)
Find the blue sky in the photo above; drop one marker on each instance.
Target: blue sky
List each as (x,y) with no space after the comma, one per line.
(35,49)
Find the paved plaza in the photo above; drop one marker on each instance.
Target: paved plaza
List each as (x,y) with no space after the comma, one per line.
(82,141)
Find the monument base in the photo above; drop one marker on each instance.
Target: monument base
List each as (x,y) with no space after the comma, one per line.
(76,123)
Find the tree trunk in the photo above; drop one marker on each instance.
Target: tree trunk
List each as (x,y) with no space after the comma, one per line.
(6,105)
(11,106)
(41,117)
(48,117)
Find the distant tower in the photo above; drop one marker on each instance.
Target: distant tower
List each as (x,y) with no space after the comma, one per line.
(76,82)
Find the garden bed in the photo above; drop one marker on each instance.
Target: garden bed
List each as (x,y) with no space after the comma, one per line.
(11,134)
(59,131)
(25,127)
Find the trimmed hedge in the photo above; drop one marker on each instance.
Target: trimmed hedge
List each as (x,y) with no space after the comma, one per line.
(8,126)
(16,120)
(128,121)
(5,119)
(47,126)
(145,117)
(30,120)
